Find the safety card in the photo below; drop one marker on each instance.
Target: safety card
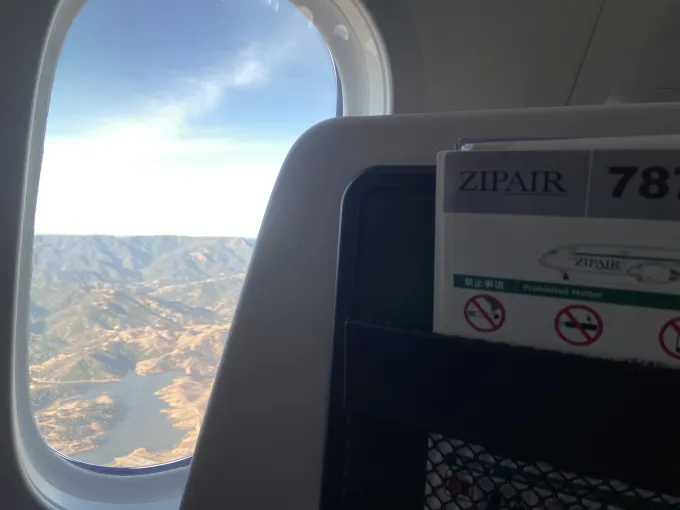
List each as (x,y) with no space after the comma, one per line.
(570,250)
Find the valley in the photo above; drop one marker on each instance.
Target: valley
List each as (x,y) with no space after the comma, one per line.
(115,313)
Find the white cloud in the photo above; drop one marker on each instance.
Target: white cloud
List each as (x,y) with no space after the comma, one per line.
(200,95)
(153,173)
(274,4)
(251,72)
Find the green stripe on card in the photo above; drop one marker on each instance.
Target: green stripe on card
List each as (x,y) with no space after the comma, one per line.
(571,292)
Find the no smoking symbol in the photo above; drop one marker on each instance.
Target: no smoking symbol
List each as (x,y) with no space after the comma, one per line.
(578,325)
(669,338)
(484,313)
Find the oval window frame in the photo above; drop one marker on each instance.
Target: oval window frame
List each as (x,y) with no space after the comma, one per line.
(364,80)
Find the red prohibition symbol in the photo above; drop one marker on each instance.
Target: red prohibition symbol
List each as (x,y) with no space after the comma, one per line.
(484,313)
(669,338)
(578,325)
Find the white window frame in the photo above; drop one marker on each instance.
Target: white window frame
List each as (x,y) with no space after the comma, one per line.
(361,57)
(54,481)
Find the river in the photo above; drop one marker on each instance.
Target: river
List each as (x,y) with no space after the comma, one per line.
(143,425)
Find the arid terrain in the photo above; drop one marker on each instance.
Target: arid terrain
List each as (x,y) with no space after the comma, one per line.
(103,308)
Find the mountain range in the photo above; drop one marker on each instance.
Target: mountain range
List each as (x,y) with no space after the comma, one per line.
(103,306)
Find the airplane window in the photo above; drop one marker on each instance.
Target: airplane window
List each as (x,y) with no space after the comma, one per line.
(168,123)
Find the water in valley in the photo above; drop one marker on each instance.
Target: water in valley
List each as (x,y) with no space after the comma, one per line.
(142,425)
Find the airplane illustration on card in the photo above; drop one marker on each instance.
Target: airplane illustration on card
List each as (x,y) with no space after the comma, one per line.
(643,263)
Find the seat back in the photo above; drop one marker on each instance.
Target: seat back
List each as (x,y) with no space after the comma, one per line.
(263,440)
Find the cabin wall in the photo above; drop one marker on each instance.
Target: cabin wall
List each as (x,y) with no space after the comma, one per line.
(460,55)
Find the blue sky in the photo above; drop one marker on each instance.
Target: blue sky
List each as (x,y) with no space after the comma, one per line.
(174,116)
